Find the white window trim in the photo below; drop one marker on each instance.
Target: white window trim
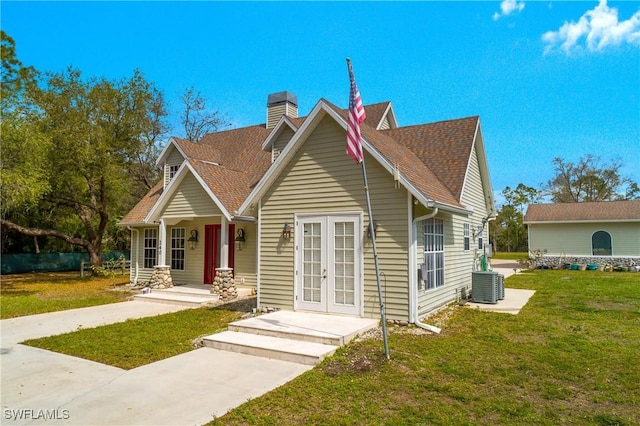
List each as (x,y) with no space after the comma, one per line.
(145,247)
(434,246)
(179,246)
(466,241)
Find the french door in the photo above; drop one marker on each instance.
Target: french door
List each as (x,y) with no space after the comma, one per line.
(328,270)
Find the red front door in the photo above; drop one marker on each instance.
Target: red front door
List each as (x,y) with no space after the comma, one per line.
(212,248)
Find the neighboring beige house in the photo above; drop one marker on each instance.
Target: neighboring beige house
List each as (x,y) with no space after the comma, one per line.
(291,193)
(590,232)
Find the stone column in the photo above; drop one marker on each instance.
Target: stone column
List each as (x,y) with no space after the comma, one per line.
(224,285)
(161,277)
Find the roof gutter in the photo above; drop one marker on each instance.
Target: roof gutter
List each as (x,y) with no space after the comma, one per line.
(414,292)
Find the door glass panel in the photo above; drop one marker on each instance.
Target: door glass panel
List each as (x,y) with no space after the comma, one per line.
(344,255)
(311,265)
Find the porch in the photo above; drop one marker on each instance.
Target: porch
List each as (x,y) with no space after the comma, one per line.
(193,295)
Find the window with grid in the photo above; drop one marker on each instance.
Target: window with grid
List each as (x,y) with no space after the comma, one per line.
(177,248)
(433,268)
(467,237)
(173,170)
(150,247)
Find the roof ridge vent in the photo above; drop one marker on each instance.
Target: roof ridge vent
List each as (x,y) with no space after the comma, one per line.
(279,104)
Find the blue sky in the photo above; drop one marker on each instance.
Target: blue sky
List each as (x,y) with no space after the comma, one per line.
(548,79)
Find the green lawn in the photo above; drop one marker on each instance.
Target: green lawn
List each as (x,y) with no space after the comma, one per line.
(29,294)
(138,342)
(514,255)
(570,357)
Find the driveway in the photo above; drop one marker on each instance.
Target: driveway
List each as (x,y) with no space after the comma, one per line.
(43,387)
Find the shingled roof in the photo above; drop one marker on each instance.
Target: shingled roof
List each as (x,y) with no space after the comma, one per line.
(433,157)
(600,211)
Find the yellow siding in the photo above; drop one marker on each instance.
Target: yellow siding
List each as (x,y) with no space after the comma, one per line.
(458,262)
(385,124)
(574,239)
(245,261)
(189,200)
(322,178)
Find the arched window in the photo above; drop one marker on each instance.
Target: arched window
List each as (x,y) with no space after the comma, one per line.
(601,243)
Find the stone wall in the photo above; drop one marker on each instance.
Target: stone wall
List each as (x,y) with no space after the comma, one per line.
(558,262)
(161,277)
(224,285)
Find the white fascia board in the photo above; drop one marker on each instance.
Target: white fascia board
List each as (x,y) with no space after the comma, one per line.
(390,115)
(483,168)
(277,130)
(174,183)
(165,151)
(556,222)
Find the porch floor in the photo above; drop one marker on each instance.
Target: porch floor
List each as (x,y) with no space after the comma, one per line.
(194,295)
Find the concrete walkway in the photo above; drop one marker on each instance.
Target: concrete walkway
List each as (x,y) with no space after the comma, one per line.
(43,387)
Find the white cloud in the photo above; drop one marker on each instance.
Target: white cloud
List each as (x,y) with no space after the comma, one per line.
(507,7)
(597,28)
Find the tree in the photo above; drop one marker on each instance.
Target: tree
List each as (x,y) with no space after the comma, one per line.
(508,229)
(90,144)
(196,120)
(589,180)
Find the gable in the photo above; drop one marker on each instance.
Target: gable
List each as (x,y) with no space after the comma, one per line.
(189,200)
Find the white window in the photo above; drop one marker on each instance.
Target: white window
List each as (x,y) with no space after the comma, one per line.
(480,242)
(466,235)
(173,170)
(433,267)
(177,248)
(150,247)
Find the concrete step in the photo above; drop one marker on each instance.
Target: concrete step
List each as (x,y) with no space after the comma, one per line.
(308,353)
(177,298)
(307,327)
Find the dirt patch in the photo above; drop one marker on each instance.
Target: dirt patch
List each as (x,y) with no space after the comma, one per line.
(358,359)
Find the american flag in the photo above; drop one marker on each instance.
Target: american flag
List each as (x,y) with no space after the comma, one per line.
(356,116)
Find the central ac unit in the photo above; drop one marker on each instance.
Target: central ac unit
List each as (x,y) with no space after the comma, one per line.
(484,287)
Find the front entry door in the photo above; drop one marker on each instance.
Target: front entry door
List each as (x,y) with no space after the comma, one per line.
(328,277)
(212,246)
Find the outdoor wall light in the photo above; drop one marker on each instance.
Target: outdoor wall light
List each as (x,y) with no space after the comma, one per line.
(240,239)
(375,230)
(286,232)
(193,239)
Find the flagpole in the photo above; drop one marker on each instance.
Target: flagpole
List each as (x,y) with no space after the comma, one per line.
(373,234)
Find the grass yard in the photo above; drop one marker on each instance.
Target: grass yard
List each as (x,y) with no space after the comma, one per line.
(28,294)
(138,342)
(514,255)
(570,357)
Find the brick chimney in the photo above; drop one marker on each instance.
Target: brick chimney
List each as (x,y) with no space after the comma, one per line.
(279,104)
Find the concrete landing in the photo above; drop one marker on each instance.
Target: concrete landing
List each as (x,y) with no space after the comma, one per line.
(514,300)
(300,337)
(280,348)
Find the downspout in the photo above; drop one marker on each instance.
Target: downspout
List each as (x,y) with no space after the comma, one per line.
(135,277)
(429,327)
